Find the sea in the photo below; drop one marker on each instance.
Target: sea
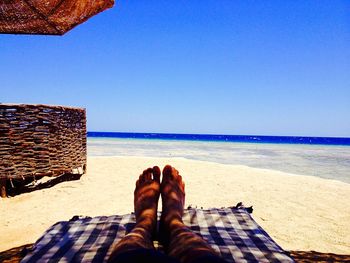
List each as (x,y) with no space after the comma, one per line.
(325,157)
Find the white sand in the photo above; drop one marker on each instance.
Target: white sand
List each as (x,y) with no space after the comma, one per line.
(299,212)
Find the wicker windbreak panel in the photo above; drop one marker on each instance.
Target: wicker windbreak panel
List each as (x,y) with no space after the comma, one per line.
(37,140)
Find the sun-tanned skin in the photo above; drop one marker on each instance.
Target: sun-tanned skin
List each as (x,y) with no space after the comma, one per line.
(179,241)
(146,197)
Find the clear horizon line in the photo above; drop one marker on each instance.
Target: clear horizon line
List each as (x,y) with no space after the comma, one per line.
(220,134)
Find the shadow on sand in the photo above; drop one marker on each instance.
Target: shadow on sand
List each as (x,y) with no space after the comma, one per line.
(15,254)
(27,188)
(314,256)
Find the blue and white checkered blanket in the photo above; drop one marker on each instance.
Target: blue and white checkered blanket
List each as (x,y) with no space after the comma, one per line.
(232,232)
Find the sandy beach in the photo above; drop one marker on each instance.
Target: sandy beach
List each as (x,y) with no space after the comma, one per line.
(299,212)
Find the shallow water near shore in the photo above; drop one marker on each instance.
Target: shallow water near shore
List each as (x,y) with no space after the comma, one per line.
(325,161)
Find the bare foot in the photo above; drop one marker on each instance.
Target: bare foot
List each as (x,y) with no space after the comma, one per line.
(146,196)
(172,190)
(178,239)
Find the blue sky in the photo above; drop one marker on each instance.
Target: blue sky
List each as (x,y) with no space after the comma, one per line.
(279,67)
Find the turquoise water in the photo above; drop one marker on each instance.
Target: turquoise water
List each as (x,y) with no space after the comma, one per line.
(326,161)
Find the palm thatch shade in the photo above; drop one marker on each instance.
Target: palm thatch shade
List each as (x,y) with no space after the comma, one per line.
(47,17)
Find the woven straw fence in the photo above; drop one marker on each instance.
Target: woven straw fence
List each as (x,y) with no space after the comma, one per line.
(41,140)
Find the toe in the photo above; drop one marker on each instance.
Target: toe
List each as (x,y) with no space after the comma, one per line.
(148,174)
(174,172)
(141,178)
(156,174)
(167,172)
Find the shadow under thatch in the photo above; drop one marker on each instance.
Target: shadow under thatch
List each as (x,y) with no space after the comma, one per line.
(314,256)
(27,188)
(15,255)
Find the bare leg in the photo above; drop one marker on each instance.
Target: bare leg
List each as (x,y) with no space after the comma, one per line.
(146,197)
(180,242)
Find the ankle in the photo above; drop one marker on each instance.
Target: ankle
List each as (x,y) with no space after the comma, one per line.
(171,224)
(147,224)
(176,223)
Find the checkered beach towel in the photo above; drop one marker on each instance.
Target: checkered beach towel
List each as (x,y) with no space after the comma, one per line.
(232,232)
